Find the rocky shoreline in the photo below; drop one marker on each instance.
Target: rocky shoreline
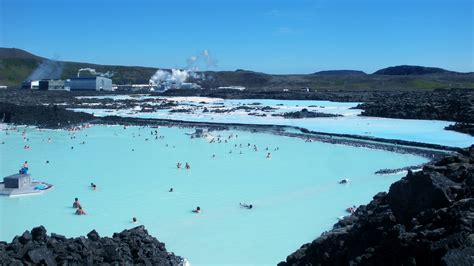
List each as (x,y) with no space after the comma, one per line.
(451,105)
(387,171)
(41,116)
(304,113)
(440,104)
(130,247)
(426,218)
(467,128)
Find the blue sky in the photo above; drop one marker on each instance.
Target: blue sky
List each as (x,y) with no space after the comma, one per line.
(294,36)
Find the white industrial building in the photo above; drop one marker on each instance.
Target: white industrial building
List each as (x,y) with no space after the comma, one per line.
(51,85)
(30,84)
(89,83)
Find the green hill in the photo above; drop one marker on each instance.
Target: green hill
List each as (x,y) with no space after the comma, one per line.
(16,65)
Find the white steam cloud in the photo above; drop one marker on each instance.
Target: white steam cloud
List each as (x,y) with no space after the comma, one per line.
(169,79)
(107,74)
(176,77)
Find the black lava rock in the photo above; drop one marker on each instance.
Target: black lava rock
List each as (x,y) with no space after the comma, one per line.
(305,113)
(130,247)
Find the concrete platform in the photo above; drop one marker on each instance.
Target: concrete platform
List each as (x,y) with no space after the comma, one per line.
(34,188)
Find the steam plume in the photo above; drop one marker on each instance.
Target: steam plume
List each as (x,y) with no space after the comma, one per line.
(48,69)
(176,77)
(107,74)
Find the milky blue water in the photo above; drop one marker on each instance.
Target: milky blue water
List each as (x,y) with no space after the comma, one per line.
(295,193)
(426,131)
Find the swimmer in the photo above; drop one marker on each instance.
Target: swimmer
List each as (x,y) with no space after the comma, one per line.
(245,205)
(344,181)
(269,156)
(187,166)
(72,148)
(213,156)
(25,165)
(76,203)
(80,211)
(197,210)
(134,220)
(178,165)
(47,161)
(93,186)
(171,190)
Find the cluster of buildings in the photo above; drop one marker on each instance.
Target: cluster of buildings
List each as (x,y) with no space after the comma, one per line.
(74,84)
(99,83)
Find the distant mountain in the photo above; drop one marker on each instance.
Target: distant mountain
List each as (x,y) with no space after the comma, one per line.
(17,53)
(17,65)
(340,73)
(412,70)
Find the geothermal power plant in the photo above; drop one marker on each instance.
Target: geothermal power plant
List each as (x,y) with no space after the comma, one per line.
(47,76)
